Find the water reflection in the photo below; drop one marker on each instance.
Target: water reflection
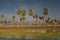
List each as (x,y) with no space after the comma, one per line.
(6,38)
(30,38)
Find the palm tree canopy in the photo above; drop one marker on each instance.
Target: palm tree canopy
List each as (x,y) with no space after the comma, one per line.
(48,18)
(23,12)
(33,16)
(13,17)
(45,11)
(41,17)
(36,16)
(47,21)
(22,18)
(30,12)
(18,11)
(55,20)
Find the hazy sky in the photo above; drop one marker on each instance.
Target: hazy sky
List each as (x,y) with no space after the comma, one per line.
(9,7)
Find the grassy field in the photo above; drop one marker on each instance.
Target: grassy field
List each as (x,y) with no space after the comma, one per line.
(20,32)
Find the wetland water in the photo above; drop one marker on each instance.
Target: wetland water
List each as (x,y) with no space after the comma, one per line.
(30,38)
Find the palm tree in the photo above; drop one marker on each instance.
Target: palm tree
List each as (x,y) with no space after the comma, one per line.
(59,22)
(31,14)
(45,11)
(48,20)
(41,18)
(23,12)
(23,15)
(51,22)
(22,19)
(13,18)
(55,21)
(2,16)
(18,13)
(36,16)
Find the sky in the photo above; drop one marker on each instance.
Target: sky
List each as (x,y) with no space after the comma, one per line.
(9,7)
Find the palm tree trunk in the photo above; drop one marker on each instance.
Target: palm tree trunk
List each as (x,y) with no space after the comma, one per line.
(30,20)
(43,21)
(36,20)
(18,20)
(22,22)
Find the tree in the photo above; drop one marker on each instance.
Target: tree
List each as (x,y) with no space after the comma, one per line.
(18,12)
(23,15)
(41,18)
(23,12)
(36,16)
(13,18)
(59,22)
(55,21)
(2,17)
(45,11)
(48,20)
(22,19)
(51,22)
(31,14)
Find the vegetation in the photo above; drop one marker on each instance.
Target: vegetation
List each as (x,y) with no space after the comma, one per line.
(22,17)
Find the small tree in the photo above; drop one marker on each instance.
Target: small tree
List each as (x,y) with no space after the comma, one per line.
(13,18)
(22,19)
(41,18)
(48,20)
(37,17)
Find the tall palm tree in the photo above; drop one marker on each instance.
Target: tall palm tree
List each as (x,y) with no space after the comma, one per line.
(18,13)
(45,11)
(23,15)
(31,14)
(13,18)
